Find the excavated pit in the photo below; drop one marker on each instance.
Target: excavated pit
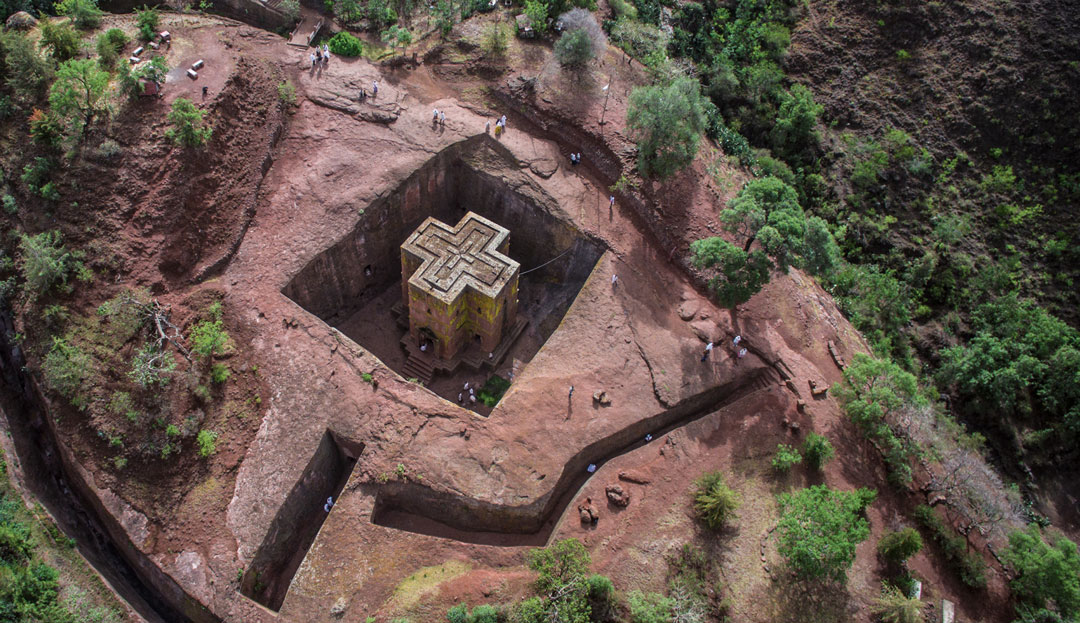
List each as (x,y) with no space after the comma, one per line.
(354,283)
(298,521)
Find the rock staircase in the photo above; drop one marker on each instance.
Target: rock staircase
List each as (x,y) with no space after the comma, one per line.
(419,368)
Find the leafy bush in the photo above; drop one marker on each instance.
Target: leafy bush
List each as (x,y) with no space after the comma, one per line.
(207,440)
(1046,574)
(44,262)
(287,93)
(27,73)
(109,44)
(817,450)
(458,614)
(667,122)
(151,365)
(61,39)
(187,128)
(147,19)
(65,367)
(47,130)
(345,44)
(786,457)
(492,391)
(208,338)
(897,547)
(537,12)
(573,49)
(219,373)
(85,14)
(819,529)
(484,613)
(893,606)
(649,607)
(582,39)
(561,580)
(714,502)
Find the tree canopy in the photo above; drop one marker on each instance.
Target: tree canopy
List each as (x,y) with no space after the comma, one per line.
(765,211)
(188,127)
(1022,361)
(667,122)
(79,92)
(1045,573)
(819,529)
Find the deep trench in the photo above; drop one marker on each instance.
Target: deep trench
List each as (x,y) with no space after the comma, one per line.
(298,521)
(416,508)
(50,480)
(411,507)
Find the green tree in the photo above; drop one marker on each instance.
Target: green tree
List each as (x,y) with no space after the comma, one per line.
(85,14)
(44,262)
(60,38)
(349,10)
(817,450)
(147,18)
(819,529)
(397,36)
(667,122)
(28,72)
(1022,362)
(187,128)
(650,607)
(208,338)
(785,458)
(109,44)
(897,547)
(574,49)
(1046,574)
(714,502)
(582,39)
(207,440)
(537,12)
(561,581)
(767,211)
(79,92)
(445,17)
(738,275)
(65,367)
(345,44)
(796,123)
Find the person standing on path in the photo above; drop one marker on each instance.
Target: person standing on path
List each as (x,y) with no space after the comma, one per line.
(708,349)
(571,396)
(611,202)
(374,88)
(442,118)
(614,280)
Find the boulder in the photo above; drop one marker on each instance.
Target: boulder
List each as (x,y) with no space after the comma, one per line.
(601,398)
(21,21)
(617,496)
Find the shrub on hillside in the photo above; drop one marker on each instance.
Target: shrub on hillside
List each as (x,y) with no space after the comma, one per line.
(187,128)
(817,450)
(85,14)
(345,44)
(897,547)
(786,457)
(714,502)
(109,44)
(819,529)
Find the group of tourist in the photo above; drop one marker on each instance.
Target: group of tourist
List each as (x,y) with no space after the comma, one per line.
(320,55)
(740,353)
